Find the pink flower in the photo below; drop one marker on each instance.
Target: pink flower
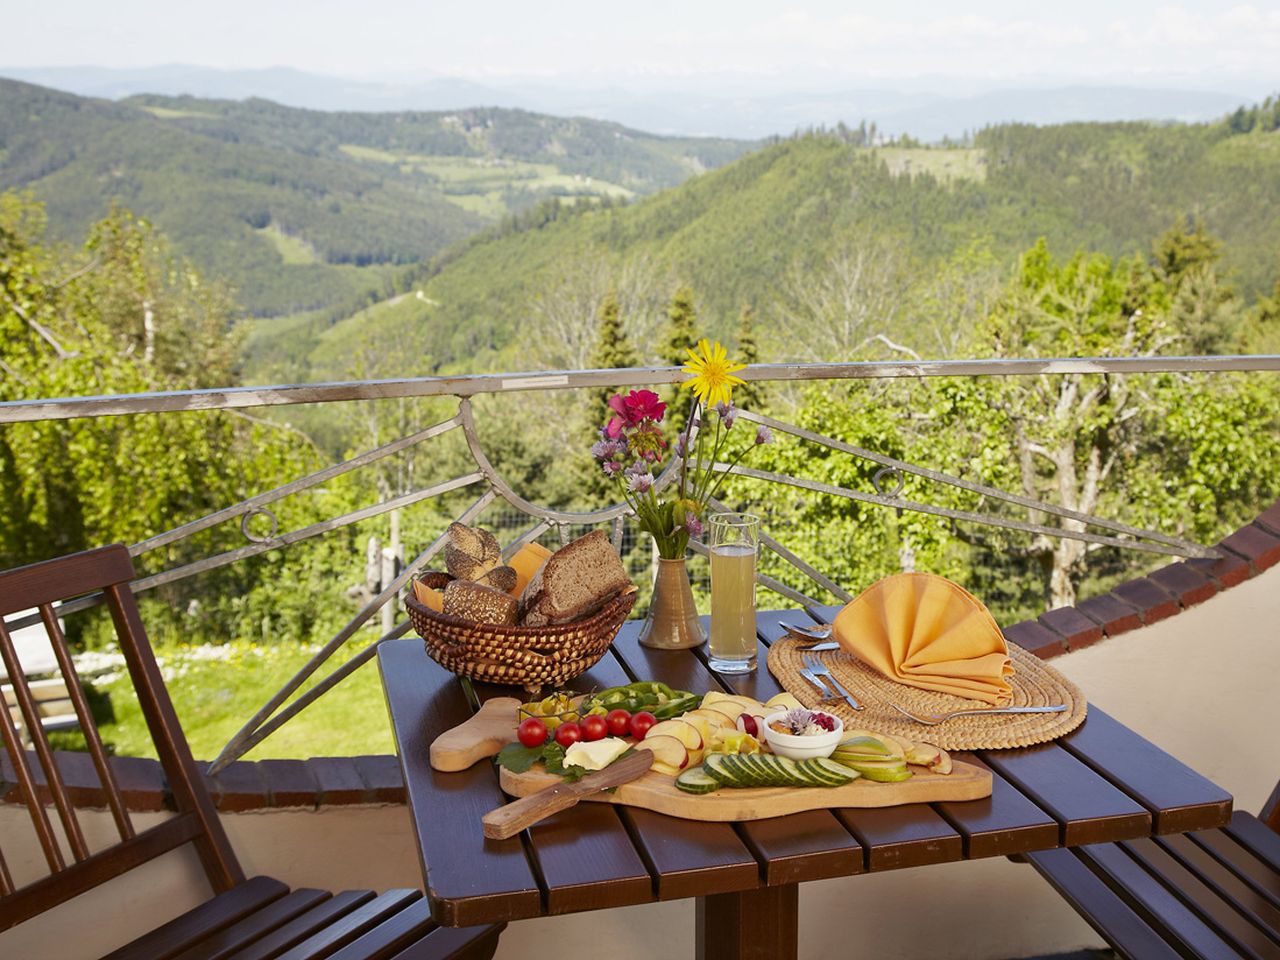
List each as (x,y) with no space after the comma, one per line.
(613,429)
(693,524)
(637,406)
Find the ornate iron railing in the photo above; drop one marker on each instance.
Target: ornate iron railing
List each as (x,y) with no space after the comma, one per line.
(492,486)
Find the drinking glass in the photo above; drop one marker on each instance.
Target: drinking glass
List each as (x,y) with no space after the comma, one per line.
(734,541)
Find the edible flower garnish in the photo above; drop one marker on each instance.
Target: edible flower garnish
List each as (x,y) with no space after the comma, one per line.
(804,723)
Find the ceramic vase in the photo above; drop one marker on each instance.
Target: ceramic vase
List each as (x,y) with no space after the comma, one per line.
(672,621)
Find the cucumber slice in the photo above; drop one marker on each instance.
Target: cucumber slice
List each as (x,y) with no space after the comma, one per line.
(766,774)
(717,767)
(828,777)
(696,780)
(808,776)
(744,770)
(836,769)
(790,773)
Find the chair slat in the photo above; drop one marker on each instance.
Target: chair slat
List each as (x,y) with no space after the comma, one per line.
(1152,900)
(454,943)
(40,739)
(223,943)
(164,942)
(1261,876)
(391,936)
(6,879)
(1224,883)
(124,826)
(295,931)
(27,786)
(1115,920)
(356,923)
(1245,937)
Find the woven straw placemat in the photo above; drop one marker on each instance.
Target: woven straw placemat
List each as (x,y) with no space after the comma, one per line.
(1035,684)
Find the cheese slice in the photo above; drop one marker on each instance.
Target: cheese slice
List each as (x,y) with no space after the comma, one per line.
(595,755)
(526,562)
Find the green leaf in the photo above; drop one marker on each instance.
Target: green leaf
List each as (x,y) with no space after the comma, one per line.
(518,758)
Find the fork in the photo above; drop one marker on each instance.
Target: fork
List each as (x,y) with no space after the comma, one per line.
(817,682)
(821,631)
(933,719)
(816,666)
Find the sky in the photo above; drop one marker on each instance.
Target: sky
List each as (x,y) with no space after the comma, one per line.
(663,43)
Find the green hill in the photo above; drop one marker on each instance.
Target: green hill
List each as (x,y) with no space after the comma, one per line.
(738,234)
(301,209)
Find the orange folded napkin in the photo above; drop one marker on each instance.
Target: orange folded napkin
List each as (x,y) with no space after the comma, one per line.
(526,562)
(927,632)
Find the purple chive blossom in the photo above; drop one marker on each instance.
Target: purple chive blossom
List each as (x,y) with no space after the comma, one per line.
(763,435)
(722,408)
(730,415)
(693,524)
(602,449)
(639,482)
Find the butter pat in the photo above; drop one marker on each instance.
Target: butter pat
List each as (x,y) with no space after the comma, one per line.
(595,755)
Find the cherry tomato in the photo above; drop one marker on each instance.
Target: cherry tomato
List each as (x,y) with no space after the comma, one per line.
(641,722)
(568,734)
(532,732)
(619,722)
(594,727)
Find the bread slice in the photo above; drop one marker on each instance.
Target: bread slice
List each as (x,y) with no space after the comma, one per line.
(575,582)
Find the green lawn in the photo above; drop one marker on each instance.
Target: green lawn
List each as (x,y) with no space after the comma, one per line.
(291,249)
(215,689)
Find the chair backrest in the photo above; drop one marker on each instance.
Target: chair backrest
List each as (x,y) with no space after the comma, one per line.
(73,868)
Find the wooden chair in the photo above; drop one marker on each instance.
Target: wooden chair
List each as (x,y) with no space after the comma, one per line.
(258,918)
(1211,894)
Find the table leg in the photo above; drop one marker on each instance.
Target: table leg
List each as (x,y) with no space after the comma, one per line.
(761,924)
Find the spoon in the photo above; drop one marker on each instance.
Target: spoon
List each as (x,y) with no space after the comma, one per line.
(821,631)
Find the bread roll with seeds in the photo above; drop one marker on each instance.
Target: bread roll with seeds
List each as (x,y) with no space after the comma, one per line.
(471,552)
(479,604)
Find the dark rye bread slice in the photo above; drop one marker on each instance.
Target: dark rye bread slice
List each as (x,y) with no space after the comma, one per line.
(575,582)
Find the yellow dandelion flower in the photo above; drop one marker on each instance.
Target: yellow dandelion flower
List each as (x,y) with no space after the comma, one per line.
(713,379)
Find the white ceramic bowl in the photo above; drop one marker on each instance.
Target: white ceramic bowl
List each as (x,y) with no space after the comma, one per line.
(802,748)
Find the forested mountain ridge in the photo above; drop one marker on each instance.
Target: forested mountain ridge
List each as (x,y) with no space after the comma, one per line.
(300,209)
(805,213)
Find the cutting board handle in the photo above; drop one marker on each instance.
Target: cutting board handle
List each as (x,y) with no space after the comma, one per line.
(491,729)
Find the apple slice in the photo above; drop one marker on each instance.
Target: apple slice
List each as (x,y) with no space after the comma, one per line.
(783,701)
(728,707)
(666,749)
(927,755)
(716,718)
(686,733)
(702,724)
(897,750)
(747,703)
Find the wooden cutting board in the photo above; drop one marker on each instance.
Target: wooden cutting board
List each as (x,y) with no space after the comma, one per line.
(658,792)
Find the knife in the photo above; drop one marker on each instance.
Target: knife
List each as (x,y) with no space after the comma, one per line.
(509,820)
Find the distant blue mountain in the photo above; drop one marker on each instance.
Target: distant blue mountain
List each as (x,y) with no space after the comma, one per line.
(751,114)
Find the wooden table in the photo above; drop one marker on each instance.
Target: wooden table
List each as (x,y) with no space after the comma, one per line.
(1101,783)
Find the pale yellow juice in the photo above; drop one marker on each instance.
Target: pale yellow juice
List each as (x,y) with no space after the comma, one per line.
(733,604)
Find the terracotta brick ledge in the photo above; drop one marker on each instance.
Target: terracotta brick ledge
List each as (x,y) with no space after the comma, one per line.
(335,781)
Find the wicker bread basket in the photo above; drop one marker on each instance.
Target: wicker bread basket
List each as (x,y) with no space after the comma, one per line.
(518,656)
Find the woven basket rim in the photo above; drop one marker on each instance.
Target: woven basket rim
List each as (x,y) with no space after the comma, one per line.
(552,630)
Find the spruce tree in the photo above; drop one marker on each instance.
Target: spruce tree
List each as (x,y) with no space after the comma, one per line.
(612,350)
(682,335)
(753,395)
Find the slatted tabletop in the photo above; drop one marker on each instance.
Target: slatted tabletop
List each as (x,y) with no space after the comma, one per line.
(1101,783)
